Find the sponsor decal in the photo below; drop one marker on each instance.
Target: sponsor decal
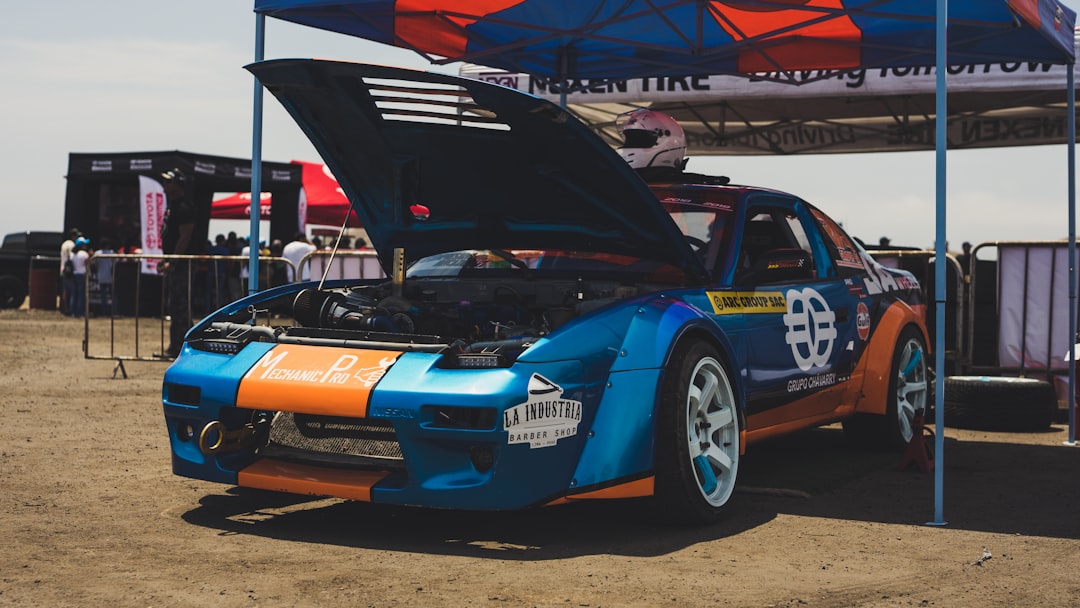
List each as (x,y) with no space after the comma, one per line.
(544,418)
(862,321)
(205,167)
(140,164)
(314,380)
(505,79)
(279,175)
(878,279)
(907,283)
(346,368)
(811,382)
(786,264)
(747,302)
(244,172)
(855,289)
(714,205)
(811,328)
(100,165)
(393,412)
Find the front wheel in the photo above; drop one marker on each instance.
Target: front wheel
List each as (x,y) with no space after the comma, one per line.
(697,442)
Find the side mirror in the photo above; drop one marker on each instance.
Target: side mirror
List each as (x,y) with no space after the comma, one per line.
(784,266)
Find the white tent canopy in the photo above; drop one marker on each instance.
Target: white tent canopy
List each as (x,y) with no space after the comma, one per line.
(865,110)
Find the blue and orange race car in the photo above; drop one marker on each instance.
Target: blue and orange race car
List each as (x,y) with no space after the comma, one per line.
(554,327)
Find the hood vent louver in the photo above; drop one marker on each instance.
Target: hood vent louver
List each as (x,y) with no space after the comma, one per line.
(447,104)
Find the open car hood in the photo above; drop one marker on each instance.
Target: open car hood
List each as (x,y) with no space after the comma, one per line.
(436,163)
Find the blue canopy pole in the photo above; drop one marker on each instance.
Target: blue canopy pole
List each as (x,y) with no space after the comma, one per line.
(256,161)
(1071,122)
(941,123)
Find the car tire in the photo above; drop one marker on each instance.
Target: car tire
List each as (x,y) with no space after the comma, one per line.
(909,392)
(12,292)
(999,403)
(697,441)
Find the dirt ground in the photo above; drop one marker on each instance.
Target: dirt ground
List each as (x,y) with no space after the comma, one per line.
(91,515)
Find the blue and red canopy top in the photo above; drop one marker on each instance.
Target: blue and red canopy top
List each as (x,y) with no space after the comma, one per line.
(636,38)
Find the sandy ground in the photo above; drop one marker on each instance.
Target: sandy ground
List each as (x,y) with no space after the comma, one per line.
(91,515)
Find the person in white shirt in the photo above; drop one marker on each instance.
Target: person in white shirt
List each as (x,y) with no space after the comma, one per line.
(294,251)
(78,263)
(67,278)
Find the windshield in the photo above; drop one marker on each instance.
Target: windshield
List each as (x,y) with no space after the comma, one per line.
(703,215)
(492,263)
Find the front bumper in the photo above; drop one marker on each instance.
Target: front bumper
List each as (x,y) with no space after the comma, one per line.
(470,439)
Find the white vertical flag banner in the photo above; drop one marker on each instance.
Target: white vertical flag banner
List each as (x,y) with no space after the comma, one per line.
(152,212)
(301,209)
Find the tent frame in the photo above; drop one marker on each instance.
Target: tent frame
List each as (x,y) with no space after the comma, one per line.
(940,151)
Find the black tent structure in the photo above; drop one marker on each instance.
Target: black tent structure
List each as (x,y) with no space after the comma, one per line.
(102,198)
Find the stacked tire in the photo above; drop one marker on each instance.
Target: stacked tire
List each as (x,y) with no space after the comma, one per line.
(999,403)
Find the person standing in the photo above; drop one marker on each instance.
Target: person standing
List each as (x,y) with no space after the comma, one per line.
(177,229)
(965,260)
(295,251)
(236,290)
(67,275)
(78,267)
(279,268)
(245,266)
(217,276)
(103,268)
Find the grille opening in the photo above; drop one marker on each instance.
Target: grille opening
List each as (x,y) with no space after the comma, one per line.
(334,441)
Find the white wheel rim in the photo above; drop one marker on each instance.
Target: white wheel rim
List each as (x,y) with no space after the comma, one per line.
(712,431)
(910,386)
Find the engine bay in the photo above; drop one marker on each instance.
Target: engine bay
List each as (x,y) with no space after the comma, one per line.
(432,314)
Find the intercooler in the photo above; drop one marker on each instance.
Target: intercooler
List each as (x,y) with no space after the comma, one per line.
(334,441)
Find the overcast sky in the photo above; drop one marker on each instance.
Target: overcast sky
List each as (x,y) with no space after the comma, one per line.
(129,75)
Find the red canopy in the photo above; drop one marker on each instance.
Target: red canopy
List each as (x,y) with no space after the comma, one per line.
(326,204)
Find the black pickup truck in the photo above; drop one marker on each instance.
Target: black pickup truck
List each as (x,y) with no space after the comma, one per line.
(21,252)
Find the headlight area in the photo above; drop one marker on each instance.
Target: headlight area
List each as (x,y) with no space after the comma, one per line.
(231,338)
(484,355)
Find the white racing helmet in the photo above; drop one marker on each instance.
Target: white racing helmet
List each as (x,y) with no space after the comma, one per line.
(651,139)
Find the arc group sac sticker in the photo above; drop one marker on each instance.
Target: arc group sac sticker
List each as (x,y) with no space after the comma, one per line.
(746,302)
(544,418)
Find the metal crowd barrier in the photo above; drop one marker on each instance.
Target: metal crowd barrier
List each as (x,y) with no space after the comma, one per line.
(136,295)
(1012,308)
(346,264)
(1034,293)
(125,316)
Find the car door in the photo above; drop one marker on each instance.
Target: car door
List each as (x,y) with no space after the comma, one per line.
(801,323)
